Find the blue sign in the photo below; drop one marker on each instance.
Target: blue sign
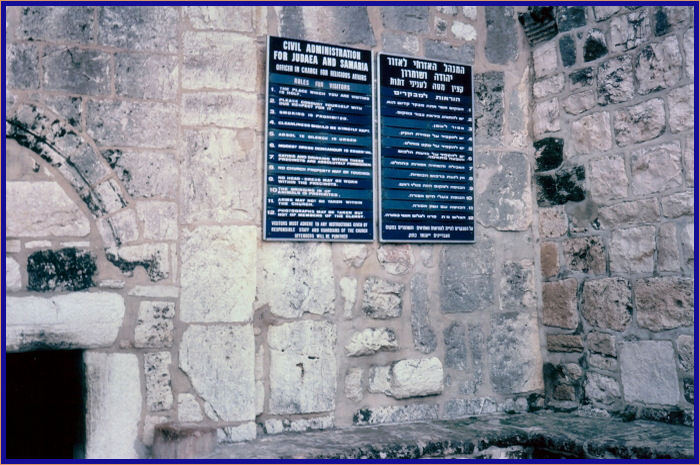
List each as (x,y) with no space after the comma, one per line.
(319,172)
(426,151)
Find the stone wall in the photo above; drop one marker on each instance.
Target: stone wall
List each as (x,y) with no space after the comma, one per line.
(613,139)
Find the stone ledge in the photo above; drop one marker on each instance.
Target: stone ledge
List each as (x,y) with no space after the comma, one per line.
(546,434)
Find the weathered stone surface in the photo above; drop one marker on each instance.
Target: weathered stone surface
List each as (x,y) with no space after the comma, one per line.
(594,46)
(353,384)
(658,66)
(145,174)
(13,276)
(123,227)
(564,343)
(69,108)
(656,169)
(559,304)
(607,303)
(630,30)
(517,286)
(66,269)
(355,254)
(22,64)
(686,357)
(570,17)
(370,341)
(154,258)
(548,86)
(219,60)
(231,18)
(40,209)
(441,50)
(218,275)
(645,211)
(341,24)
(465,32)
(514,358)
(76,70)
(110,196)
(302,367)
(607,178)
(395,259)
(348,291)
(667,253)
(632,250)
(149,425)
(225,109)
(416,378)
(549,259)
(154,325)
(276,426)
(379,380)
(591,133)
(455,346)
(545,59)
(122,123)
(546,117)
(238,433)
(689,49)
(405,18)
(687,238)
(396,414)
(159,395)
(501,44)
(601,343)
(503,191)
(601,389)
(681,111)
(549,153)
(664,303)
(584,77)
(424,338)
(76,320)
(146,76)
(567,49)
(489,106)
(615,80)
(553,222)
(139,28)
(113,405)
(188,409)
(465,278)
(57,23)
(666,17)
(382,299)
(401,43)
(639,123)
(585,254)
(602,13)
(648,372)
(159,219)
(219,361)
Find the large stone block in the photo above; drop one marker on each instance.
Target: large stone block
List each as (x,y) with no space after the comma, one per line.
(595,45)
(648,372)
(518,286)
(416,378)
(549,153)
(548,86)
(225,109)
(667,252)
(77,71)
(489,105)
(113,405)
(67,269)
(146,76)
(546,117)
(636,211)
(159,220)
(681,112)
(382,299)
(154,325)
(159,395)
(405,18)
(564,343)
(13,276)
(549,259)
(503,191)
(218,274)
(370,341)
(601,389)
(348,291)
(616,80)
(455,346)
(632,250)
(501,43)
(22,66)
(607,178)
(639,123)
(395,259)
(466,281)
(139,27)
(220,363)
(396,414)
(664,303)
(338,24)
(441,50)
(514,353)
(225,18)
(577,103)
(40,209)
(553,222)
(424,338)
(154,258)
(677,205)
(601,343)
(689,49)
(57,23)
(607,303)
(144,173)
(132,124)
(656,169)
(585,254)
(296,278)
(592,133)
(559,304)
(302,367)
(188,409)
(630,30)
(658,66)
(667,17)
(544,58)
(582,78)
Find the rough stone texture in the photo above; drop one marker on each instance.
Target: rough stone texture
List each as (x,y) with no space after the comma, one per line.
(686,357)
(219,60)
(233,18)
(564,185)
(584,77)
(591,133)
(379,380)
(139,28)
(355,254)
(276,426)
(601,343)
(22,64)
(570,17)
(226,109)
(239,433)
(549,259)
(548,86)
(302,367)
(159,219)
(110,195)
(76,320)
(218,274)
(13,276)
(687,238)
(616,80)
(602,363)
(396,414)
(353,384)
(395,259)
(76,70)
(517,286)
(639,123)
(145,174)
(546,117)
(220,363)
(677,205)
(297,278)
(130,124)
(66,269)
(382,299)
(440,50)
(629,212)
(188,409)
(549,153)
(585,254)
(401,44)
(564,343)
(159,395)
(658,66)
(56,23)
(514,358)
(648,372)
(154,325)
(465,32)
(630,30)
(656,169)
(667,17)
(689,49)
(149,425)
(465,278)
(501,41)
(681,110)
(607,178)
(416,378)
(664,303)
(424,338)
(455,346)
(559,304)
(489,106)
(410,19)
(667,254)
(503,191)
(40,209)
(601,389)
(567,49)
(594,46)
(370,341)
(553,222)
(146,76)
(607,303)
(113,405)
(632,250)
(602,13)
(348,291)
(68,107)
(122,225)
(545,59)
(154,258)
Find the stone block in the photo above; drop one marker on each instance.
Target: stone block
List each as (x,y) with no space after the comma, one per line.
(570,17)
(567,50)
(584,77)
(22,66)
(348,291)
(553,222)
(132,124)
(677,205)
(67,269)
(667,17)
(188,409)
(689,161)
(175,441)
(546,117)
(648,372)
(382,299)
(549,153)
(564,343)
(424,338)
(681,109)
(489,105)
(218,274)
(149,425)
(239,433)
(297,278)
(113,404)
(607,303)
(632,250)
(455,346)
(629,31)
(601,389)
(664,303)
(616,80)
(514,357)
(503,191)
(603,12)
(219,60)
(77,71)
(220,363)
(123,227)
(355,254)
(416,378)
(594,46)
(687,238)
(154,325)
(607,178)
(592,133)
(159,395)
(395,259)
(656,169)
(462,31)
(551,85)
(601,343)
(412,19)
(13,276)
(302,367)
(640,123)
(225,18)
(276,426)
(145,174)
(379,380)
(146,76)
(466,282)
(517,286)
(685,349)
(225,109)
(353,384)
(401,44)
(69,108)
(159,220)
(658,66)
(396,414)
(501,44)
(564,185)
(545,59)
(584,254)
(559,304)
(689,50)
(57,23)
(139,28)
(154,258)
(349,25)
(667,252)
(370,341)
(636,211)
(549,259)
(40,209)
(110,196)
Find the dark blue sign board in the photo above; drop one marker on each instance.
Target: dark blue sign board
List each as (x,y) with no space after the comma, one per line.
(319,173)
(426,151)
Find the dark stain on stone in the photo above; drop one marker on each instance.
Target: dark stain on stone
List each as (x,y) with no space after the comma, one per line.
(567,48)
(66,269)
(594,47)
(362,416)
(582,77)
(549,153)
(662,24)
(570,17)
(565,185)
